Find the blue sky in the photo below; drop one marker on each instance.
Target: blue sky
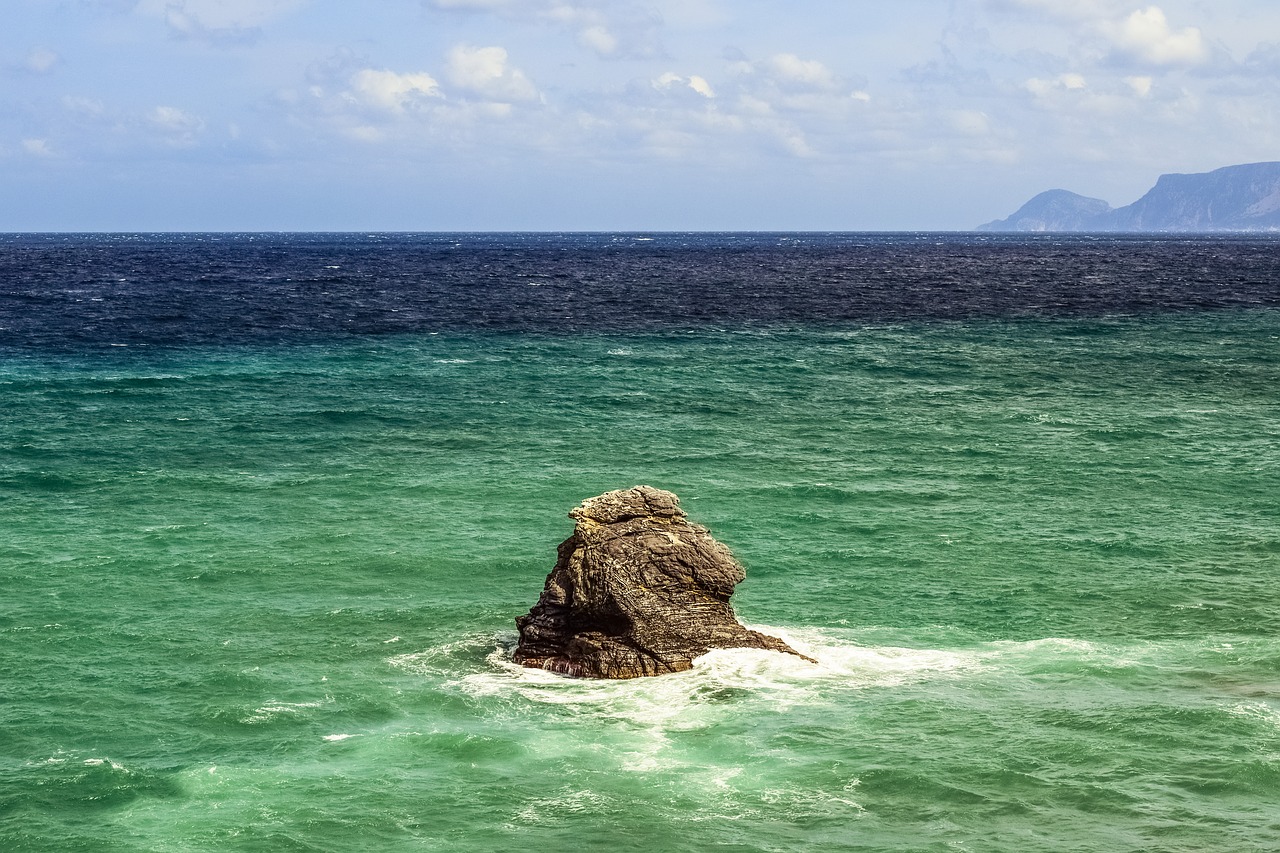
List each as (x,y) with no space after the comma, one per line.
(615,114)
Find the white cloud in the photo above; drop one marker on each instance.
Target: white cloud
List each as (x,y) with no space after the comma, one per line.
(971,122)
(172,118)
(37,147)
(390,91)
(789,68)
(41,60)
(1140,85)
(1042,88)
(87,124)
(1039,87)
(793,107)
(782,103)
(217,20)
(786,82)
(178,128)
(751,105)
(599,39)
(478,98)
(693,81)
(609,28)
(364,133)
(796,144)
(88,107)
(1147,35)
(701,86)
(484,71)
(1101,26)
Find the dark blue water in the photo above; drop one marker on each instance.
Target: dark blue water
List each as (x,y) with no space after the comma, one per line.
(68,291)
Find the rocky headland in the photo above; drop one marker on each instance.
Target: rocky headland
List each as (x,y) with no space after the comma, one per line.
(1234,198)
(637,590)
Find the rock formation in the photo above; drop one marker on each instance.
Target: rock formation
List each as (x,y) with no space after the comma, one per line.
(637,590)
(1234,198)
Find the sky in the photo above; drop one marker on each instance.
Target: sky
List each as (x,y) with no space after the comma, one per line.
(500,115)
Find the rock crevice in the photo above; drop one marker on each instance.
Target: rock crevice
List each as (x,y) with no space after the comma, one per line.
(637,590)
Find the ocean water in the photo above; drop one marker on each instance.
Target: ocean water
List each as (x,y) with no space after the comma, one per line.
(271,504)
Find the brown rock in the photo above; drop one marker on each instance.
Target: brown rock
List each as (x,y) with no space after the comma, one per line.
(637,590)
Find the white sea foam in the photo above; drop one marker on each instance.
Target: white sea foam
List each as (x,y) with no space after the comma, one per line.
(62,758)
(726,678)
(101,762)
(843,659)
(687,700)
(338,737)
(1048,647)
(447,658)
(1255,710)
(567,801)
(1032,655)
(812,802)
(273,709)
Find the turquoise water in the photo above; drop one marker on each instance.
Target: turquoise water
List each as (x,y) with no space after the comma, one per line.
(262,599)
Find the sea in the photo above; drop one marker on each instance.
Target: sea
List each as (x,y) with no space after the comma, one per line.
(271,503)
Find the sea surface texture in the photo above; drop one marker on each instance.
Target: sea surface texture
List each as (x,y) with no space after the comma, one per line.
(270,504)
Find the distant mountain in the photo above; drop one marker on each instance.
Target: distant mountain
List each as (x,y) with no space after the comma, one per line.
(1054,210)
(1234,198)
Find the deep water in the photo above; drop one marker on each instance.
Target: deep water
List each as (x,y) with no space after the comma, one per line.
(272,502)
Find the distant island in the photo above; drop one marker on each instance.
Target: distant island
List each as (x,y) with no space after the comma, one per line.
(1233,198)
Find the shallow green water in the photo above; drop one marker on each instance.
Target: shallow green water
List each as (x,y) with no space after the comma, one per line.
(262,599)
